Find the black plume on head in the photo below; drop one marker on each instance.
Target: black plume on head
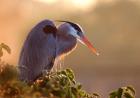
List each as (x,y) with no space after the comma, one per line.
(75,26)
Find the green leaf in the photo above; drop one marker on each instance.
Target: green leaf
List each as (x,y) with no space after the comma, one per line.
(74,91)
(95,95)
(6,47)
(119,93)
(131,89)
(128,95)
(79,86)
(64,72)
(113,94)
(70,74)
(58,93)
(82,93)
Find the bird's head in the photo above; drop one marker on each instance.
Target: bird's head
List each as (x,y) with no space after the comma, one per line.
(76,31)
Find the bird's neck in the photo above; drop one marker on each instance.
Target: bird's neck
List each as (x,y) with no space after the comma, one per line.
(65,44)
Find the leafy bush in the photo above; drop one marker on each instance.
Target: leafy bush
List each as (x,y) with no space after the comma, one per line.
(60,84)
(123,92)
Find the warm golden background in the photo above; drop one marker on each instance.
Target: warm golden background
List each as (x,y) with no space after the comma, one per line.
(113,26)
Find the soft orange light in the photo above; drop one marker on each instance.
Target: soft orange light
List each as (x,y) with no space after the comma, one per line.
(82,4)
(47,1)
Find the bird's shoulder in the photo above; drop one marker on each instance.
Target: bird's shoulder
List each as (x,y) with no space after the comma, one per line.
(48,29)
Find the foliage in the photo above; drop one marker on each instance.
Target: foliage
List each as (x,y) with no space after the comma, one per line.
(123,92)
(60,84)
(5,47)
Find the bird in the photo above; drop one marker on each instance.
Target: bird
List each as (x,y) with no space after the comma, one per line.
(45,43)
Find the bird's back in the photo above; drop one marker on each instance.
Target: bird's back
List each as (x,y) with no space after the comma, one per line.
(37,54)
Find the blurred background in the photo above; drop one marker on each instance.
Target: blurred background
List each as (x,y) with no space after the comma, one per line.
(113,26)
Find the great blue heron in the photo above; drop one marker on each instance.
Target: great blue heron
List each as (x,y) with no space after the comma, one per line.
(45,43)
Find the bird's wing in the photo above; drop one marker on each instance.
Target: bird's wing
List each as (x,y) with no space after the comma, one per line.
(38,54)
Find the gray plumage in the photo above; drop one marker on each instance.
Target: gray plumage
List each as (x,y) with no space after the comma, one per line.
(40,49)
(45,43)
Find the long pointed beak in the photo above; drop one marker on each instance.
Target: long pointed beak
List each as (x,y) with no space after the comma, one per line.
(89,45)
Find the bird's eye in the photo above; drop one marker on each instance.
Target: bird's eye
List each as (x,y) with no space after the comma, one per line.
(78,33)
